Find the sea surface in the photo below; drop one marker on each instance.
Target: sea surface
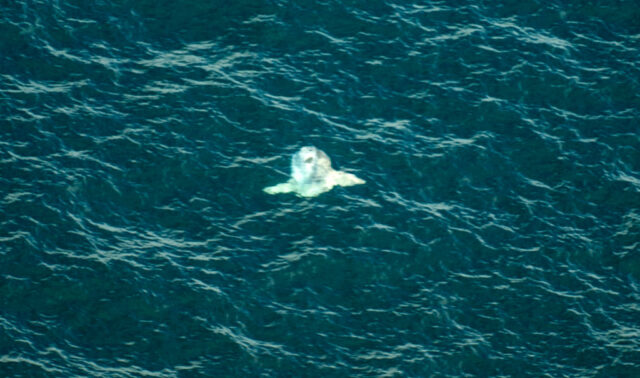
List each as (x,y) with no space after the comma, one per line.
(497,234)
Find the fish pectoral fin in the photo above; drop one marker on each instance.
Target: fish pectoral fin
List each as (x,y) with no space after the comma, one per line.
(346,179)
(285,187)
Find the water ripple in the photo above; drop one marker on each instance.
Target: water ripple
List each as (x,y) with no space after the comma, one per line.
(496,234)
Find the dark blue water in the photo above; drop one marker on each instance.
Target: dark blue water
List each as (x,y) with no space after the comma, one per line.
(498,233)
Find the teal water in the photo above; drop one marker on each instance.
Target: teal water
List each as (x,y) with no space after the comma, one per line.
(498,233)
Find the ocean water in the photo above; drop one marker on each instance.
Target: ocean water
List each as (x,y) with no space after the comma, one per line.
(497,234)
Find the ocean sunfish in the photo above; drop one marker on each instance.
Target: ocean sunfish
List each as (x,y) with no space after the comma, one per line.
(311,175)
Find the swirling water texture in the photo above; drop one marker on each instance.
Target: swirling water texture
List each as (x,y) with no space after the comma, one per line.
(497,234)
